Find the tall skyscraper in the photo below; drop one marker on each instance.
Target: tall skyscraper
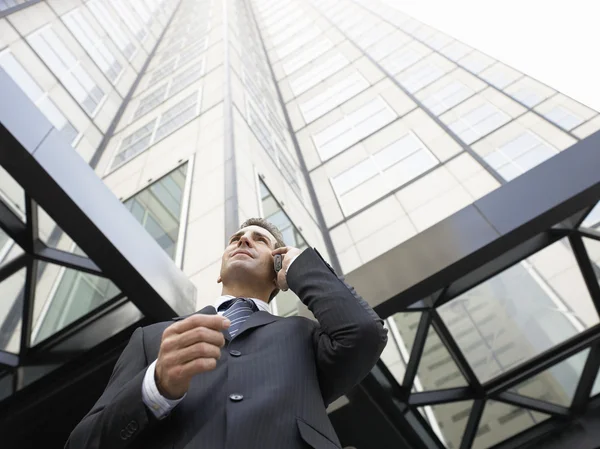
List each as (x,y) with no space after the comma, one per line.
(348,124)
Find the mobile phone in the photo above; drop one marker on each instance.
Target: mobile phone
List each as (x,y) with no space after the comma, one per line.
(278,262)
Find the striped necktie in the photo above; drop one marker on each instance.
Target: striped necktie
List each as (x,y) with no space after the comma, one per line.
(237,310)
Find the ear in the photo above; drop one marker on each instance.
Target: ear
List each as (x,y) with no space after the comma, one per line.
(219,280)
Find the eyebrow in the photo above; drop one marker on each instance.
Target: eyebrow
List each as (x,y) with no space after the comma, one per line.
(254,234)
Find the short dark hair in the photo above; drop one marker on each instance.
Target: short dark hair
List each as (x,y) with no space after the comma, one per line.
(275,232)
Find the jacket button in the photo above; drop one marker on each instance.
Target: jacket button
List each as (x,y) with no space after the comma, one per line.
(236,397)
(235,353)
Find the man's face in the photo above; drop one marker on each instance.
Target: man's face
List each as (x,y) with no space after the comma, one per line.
(248,254)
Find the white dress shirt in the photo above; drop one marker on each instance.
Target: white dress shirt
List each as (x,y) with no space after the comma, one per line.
(157,403)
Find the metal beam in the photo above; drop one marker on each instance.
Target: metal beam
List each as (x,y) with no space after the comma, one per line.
(13,266)
(31,224)
(590,233)
(65,259)
(12,225)
(532,404)
(441,396)
(587,270)
(417,350)
(543,361)
(472,424)
(9,359)
(456,354)
(28,303)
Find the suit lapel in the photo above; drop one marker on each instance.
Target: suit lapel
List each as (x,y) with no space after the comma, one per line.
(208,310)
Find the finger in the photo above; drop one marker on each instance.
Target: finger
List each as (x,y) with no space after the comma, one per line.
(200,334)
(282,281)
(215,322)
(282,250)
(196,351)
(197,366)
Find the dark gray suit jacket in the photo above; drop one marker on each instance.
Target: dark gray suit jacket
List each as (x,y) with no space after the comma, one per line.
(285,371)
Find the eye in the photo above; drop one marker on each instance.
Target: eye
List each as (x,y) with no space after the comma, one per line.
(234,239)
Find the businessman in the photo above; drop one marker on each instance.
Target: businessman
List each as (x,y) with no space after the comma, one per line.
(233,376)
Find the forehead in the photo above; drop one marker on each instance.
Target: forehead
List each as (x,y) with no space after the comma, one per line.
(256,229)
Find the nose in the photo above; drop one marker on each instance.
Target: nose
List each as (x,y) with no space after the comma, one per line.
(244,240)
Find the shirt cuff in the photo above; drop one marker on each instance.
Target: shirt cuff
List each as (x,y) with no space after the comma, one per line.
(156,402)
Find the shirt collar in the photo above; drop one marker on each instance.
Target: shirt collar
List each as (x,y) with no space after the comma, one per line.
(263,306)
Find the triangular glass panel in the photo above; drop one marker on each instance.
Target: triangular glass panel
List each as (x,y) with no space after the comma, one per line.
(501,421)
(596,387)
(448,421)
(12,291)
(53,236)
(12,194)
(556,385)
(521,312)
(593,218)
(63,295)
(437,370)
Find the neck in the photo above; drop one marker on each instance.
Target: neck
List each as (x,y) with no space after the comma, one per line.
(246,291)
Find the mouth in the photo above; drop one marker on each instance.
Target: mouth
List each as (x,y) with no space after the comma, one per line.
(241,253)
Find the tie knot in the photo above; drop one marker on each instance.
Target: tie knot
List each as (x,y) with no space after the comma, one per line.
(237,302)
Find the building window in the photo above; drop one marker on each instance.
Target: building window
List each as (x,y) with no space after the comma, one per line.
(20,76)
(295,44)
(113,30)
(286,303)
(500,75)
(373,36)
(398,163)
(174,86)
(67,68)
(150,101)
(178,61)
(438,40)
(307,54)
(519,155)
(478,122)
(386,46)
(476,61)
(149,134)
(291,30)
(447,97)
(417,78)
(158,209)
(353,127)
(401,60)
(92,43)
(528,96)
(455,50)
(7,4)
(132,22)
(563,117)
(334,96)
(318,73)
(141,11)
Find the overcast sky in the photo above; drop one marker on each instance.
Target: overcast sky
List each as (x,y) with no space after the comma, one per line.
(554,41)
